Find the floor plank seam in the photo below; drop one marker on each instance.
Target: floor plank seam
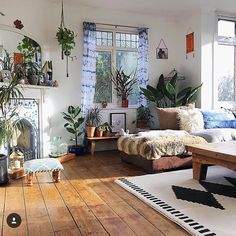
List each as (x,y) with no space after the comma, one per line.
(26,218)
(3,211)
(125,201)
(113,212)
(85,203)
(45,204)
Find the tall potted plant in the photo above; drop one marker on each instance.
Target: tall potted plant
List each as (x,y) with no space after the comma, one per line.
(73,125)
(9,122)
(123,84)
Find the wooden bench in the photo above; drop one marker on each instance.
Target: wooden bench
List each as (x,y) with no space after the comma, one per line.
(93,141)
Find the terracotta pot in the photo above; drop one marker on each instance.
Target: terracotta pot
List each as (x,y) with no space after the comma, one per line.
(142,124)
(98,133)
(90,131)
(125,103)
(106,133)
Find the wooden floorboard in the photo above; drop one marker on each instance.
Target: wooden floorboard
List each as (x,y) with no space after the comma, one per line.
(85,202)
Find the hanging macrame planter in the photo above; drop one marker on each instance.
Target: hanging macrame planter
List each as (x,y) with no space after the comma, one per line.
(66,39)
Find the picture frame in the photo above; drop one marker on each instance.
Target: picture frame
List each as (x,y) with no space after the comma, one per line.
(117,122)
(161,53)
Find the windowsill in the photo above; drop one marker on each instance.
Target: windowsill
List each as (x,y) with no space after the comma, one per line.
(119,108)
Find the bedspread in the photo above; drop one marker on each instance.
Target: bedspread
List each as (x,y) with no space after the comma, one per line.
(154,144)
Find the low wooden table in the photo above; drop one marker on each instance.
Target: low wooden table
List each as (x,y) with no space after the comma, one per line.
(93,141)
(222,154)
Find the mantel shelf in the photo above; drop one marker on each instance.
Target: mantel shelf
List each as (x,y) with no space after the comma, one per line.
(29,86)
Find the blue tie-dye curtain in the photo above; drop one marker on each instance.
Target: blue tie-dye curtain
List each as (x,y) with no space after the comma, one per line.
(89,67)
(142,70)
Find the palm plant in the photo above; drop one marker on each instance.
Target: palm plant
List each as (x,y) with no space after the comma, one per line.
(9,120)
(166,95)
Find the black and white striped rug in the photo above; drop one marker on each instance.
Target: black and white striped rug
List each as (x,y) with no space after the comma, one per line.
(204,208)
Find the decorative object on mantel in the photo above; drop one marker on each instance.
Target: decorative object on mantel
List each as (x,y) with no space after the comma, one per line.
(18,24)
(123,84)
(66,40)
(173,73)
(189,43)
(162,50)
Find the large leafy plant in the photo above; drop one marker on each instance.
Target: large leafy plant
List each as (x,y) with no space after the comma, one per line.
(123,83)
(74,121)
(93,117)
(166,95)
(9,120)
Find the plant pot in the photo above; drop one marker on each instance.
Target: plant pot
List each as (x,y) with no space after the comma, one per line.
(142,124)
(98,133)
(90,131)
(3,169)
(125,103)
(33,79)
(78,150)
(106,133)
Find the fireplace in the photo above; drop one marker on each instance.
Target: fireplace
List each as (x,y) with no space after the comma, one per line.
(27,140)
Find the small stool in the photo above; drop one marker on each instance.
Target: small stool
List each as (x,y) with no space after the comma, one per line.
(43,165)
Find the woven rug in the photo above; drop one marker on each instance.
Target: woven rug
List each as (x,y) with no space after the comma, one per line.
(202,208)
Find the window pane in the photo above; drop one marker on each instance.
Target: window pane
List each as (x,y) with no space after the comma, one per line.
(103,88)
(103,38)
(224,69)
(128,62)
(126,40)
(226,28)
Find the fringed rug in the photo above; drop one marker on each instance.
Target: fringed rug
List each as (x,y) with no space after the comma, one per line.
(202,208)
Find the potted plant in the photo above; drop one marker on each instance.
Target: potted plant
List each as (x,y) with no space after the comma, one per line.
(123,85)
(166,95)
(107,129)
(143,117)
(66,39)
(73,126)
(99,131)
(93,119)
(9,122)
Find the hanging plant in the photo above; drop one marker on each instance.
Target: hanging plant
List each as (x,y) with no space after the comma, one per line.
(66,39)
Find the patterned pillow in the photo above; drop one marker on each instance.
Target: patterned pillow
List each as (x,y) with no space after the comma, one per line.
(216,115)
(190,120)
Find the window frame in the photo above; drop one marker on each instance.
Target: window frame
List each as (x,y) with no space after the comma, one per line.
(113,49)
(227,41)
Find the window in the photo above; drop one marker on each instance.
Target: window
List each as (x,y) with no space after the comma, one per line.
(225,63)
(115,49)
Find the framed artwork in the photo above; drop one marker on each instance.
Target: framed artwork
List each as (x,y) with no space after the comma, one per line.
(162,53)
(190,42)
(162,50)
(117,121)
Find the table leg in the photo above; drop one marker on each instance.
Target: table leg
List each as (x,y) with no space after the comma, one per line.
(30,179)
(199,171)
(93,143)
(56,175)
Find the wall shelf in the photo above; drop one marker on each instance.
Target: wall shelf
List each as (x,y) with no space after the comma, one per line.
(30,86)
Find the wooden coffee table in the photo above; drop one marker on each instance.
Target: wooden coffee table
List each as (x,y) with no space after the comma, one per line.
(222,154)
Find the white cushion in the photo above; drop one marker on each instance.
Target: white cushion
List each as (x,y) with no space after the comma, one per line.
(190,120)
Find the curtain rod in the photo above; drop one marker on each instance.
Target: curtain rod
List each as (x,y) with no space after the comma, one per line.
(124,26)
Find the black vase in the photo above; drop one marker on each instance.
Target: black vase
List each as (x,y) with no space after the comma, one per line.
(3,169)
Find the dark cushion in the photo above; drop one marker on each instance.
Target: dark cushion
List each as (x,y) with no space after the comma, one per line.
(220,124)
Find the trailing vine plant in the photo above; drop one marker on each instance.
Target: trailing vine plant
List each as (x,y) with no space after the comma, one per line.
(66,39)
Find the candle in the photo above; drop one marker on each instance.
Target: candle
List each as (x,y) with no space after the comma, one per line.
(17,164)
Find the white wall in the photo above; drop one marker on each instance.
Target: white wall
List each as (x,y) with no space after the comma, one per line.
(41,20)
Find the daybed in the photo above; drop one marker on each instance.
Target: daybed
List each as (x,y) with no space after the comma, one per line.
(165,149)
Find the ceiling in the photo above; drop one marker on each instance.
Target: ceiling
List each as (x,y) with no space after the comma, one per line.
(160,7)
